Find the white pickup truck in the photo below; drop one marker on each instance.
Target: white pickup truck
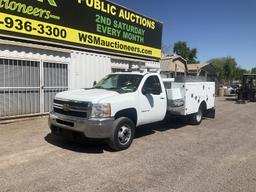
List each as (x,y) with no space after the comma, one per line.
(120,102)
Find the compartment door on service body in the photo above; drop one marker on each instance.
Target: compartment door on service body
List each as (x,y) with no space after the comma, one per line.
(152,105)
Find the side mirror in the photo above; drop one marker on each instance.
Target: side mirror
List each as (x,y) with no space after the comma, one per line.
(94,83)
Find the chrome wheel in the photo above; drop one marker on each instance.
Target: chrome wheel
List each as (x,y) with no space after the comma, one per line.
(199,115)
(124,134)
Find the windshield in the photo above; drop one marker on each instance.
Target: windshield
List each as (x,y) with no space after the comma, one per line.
(120,82)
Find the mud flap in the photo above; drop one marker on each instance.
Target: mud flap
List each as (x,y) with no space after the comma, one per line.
(210,113)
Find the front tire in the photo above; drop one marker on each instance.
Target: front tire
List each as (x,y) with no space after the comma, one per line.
(196,118)
(122,135)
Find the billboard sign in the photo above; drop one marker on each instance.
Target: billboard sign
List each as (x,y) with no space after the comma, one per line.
(83,24)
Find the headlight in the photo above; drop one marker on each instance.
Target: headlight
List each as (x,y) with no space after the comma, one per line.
(101,110)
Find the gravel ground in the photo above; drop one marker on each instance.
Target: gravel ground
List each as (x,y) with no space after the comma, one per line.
(218,155)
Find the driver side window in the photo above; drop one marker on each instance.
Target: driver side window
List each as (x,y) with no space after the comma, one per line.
(152,85)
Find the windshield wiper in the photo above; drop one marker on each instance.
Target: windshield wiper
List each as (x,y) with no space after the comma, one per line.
(98,87)
(115,89)
(119,90)
(110,89)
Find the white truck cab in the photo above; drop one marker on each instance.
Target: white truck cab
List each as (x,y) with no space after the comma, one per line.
(120,102)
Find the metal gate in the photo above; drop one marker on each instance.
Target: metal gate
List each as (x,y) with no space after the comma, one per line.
(55,81)
(28,87)
(19,87)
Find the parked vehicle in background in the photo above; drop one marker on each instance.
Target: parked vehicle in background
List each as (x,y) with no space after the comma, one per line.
(231,90)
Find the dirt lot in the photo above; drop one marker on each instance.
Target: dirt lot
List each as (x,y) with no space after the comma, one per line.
(218,155)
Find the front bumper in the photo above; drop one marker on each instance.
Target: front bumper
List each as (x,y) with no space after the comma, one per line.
(99,128)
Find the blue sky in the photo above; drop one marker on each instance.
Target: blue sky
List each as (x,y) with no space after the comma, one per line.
(217,28)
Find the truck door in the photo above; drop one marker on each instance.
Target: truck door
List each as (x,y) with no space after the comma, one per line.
(152,101)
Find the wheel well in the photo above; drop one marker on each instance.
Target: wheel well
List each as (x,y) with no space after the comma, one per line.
(130,113)
(204,106)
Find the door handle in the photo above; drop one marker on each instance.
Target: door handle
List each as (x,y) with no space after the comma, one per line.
(162,98)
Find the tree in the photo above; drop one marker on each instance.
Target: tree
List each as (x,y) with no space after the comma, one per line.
(230,67)
(218,63)
(239,73)
(227,68)
(253,71)
(190,54)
